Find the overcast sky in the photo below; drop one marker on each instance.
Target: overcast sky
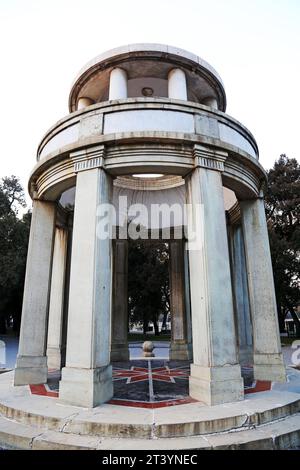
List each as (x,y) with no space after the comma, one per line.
(253,44)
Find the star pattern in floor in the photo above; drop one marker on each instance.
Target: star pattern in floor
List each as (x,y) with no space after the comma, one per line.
(150,383)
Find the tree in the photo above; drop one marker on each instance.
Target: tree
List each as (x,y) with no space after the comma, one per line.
(148,282)
(282,202)
(14,234)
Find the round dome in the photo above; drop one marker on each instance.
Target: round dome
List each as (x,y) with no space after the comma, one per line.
(147,67)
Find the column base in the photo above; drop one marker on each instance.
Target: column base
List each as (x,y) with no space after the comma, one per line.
(216,385)
(180,351)
(86,387)
(54,358)
(31,370)
(119,352)
(269,367)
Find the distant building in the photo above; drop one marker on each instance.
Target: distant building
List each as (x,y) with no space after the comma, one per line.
(289,323)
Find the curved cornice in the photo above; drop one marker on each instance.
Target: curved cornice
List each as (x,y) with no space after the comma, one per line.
(204,117)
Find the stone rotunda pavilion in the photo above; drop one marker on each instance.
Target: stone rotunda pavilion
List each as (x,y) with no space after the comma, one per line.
(138,109)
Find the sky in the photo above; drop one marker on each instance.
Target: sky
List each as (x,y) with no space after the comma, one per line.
(254,45)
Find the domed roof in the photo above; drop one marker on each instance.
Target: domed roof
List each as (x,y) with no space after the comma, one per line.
(147,60)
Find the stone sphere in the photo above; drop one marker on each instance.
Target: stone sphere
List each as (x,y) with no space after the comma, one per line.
(148,347)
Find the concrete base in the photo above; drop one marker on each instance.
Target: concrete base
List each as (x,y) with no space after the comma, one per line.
(216,385)
(86,387)
(180,351)
(119,352)
(54,358)
(31,370)
(269,367)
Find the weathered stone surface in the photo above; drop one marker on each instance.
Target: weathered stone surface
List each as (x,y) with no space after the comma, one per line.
(268,360)
(179,349)
(87,377)
(56,302)
(215,374)
(119,342)
(31,361)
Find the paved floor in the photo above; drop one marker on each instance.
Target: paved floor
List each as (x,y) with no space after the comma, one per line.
(150,383)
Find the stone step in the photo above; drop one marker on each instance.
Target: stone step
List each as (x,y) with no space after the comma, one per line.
(282,434)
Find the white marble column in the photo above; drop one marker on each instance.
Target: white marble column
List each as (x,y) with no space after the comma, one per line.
(56,304)
(179,346)
(66,290)
(268,361)
(119,341)
(117,84)
(31,366)
(84,102)
(87,378)
(187,297)
(211,102)
(177,88)
(215,373)
(241,296)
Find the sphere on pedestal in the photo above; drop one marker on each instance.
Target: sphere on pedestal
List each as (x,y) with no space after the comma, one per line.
(148,347)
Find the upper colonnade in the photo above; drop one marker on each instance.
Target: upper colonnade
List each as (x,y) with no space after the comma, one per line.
(150,70)
(147,108)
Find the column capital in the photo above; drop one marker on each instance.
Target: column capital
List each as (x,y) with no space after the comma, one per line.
(88,158)
(34,190)
(208,158)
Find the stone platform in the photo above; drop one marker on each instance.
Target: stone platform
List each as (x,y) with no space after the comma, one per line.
(263,420)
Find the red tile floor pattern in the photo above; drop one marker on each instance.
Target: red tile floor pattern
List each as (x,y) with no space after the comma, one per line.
(142,374)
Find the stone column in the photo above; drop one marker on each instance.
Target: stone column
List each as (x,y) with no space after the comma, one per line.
(87,377)
(117,84)
(119,341)
(177,88)
(215,374)
(241,296)
(31,366)
(212,102)
(179,346)
(66,290)
(56,304)
(187,297)
(84,102)
(268,361)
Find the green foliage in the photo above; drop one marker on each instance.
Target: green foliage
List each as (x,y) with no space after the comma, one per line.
(148,281)
(14,233)
(282,201)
